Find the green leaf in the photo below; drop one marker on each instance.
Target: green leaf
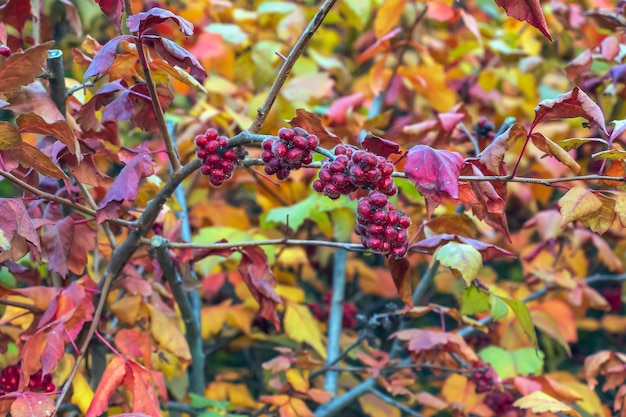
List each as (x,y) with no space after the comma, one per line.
(509,364)
(211,413)
(198,401)
(343,223)
(474,301)
(464,259)
(523,316)
(498,307)
(294,215)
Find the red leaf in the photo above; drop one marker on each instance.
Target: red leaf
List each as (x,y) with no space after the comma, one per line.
(22,68)
(111,379)
(30,157)
(488,251)
(86,114)
(427,340)
(134,344)
(175,55)
(573,104)
(144,20)
(435,173)
(105,57)
(125,186)
(337,111)
(66,244)
(32,404)
(15,13)
(399,268)
(34,98)
(54,350)
(380,146)
(526,10)
(113,10)
(312,123)
(260,281)
(382,44)
(144,395)
(60,130)
(18,229)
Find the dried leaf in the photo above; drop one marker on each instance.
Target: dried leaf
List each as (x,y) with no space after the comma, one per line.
(9,137)
(577,203)
(22,68)
(573,104)
(539,402)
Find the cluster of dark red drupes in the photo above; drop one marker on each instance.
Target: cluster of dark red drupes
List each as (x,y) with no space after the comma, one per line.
(382,228)
(289,152)
(10,379)
(218,161)
(322,310)
(483,376)
(353,169)
(500,402)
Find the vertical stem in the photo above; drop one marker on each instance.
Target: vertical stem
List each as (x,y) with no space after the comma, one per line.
(58,92)
(335,318)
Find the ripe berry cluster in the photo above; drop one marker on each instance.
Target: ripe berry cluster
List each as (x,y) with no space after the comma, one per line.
(10,379)
(218,161)
(322,310)
(381,227)
(5,51)
(483,376)
(500,402)
(289,152)
(353,169)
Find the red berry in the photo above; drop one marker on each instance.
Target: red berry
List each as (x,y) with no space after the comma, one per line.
(312,142)
(267,144)
(286,134)
(49,387)
(201,141)
(318,186)
(5,51)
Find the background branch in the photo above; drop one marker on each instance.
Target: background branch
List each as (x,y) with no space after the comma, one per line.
(335,319)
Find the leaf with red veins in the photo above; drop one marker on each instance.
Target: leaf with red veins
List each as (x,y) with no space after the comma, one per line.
(141,21)
(526,10)
(491,196)
(435,173)
(112,378)
(32,404)
(55,348)
(487,250)
(125,187)
(257,275)
(105,57)
(113,9)
(493,155)
(569,105)
(419,340)
(380,146)
(312,123)
(18,229)
(175,54)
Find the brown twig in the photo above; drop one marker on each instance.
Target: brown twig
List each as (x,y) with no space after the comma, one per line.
(29,307)
(288,64)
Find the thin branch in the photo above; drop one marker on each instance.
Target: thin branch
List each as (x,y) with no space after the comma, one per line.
(331,365)
(196,383)
(395,403)
(17,304)
(471,137)
(335,319)
(288,64)
(119,258)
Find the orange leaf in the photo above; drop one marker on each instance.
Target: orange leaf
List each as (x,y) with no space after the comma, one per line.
(111,379)
(388,16)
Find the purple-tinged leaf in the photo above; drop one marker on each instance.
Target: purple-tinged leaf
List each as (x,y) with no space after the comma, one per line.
(139,22)
(34,98)
(620,127)
(121,108)
(66,245)
(113,10)
(526,10)
(125,187)
(380,146)
(493,155)
(435,173)
(569,105)
(105,57)
(617,73)
(175,55)
(18,228)
(86,114)
(399,268)
(15,13)
(488,251)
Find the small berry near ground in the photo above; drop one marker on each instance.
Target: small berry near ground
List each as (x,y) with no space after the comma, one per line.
(5,51)
(10,379)
(381,227)
(218,161)
(288,152)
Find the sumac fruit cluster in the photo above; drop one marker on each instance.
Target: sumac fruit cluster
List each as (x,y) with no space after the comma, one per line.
(218,161)
(10,380)
(288,152)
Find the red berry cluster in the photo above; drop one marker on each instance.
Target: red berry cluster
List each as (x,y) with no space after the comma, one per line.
(381,227)
(10,379)
(500,402)
(289,152)
(353,169)
(322,310)
(218,161)
(483,376)
(5,51)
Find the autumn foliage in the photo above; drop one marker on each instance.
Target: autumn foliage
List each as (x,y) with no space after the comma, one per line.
(299,208)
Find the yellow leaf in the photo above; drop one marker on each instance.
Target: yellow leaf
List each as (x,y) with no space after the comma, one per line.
(240,317)
(577,203)
(551,148)
(167,334)
(601,220)
(127,309)
(296,380)
(458,389)
(464,259)
(620,208)
(302,327)
(290,292)
(538,402)
(213,318)
(16,315)
(374,406)
(388,16)
(82,394)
